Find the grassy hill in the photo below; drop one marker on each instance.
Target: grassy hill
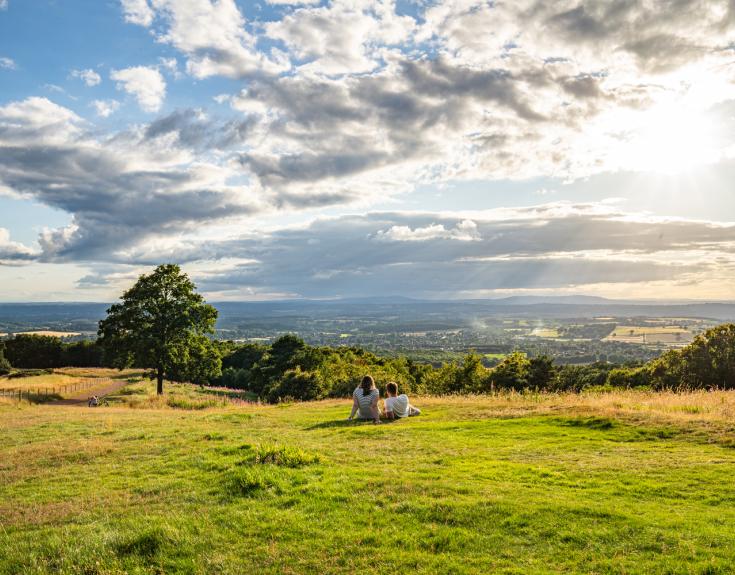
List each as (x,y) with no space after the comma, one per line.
(625,482)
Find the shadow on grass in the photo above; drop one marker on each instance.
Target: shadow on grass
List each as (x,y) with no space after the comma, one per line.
(347,423)
(43,398)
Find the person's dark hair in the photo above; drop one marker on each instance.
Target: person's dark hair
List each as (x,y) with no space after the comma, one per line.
(367,385)
(392,387)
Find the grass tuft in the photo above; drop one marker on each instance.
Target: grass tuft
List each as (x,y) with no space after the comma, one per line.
(248,482)
(284,456)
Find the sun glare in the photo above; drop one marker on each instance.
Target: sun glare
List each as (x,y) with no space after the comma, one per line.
(673,140)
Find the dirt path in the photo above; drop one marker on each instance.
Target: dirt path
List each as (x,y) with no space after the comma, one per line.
(82,397)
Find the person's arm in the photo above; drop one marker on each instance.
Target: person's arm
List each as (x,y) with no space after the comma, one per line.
(388,409)
(374,409)
(355,407)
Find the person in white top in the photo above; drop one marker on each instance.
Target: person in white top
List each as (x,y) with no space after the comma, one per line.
(365,400)
(397,406)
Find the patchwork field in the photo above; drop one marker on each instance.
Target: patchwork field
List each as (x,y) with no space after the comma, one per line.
(545,332)
(601,483)
(670,335)
(50,333)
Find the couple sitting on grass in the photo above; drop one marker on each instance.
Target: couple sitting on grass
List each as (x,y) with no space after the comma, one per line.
(365,402)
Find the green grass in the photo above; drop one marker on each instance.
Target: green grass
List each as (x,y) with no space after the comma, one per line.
(607,483)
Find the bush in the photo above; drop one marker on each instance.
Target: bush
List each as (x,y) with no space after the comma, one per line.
(5,366)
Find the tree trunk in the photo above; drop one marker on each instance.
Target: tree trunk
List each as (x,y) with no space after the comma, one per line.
(159,378)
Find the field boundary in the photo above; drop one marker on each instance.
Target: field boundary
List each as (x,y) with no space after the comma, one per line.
(54,393)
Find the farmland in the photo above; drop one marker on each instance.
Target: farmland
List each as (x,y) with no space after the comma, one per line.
(624,482)
(668,335)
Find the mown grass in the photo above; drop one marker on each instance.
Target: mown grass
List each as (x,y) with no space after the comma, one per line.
(599,483)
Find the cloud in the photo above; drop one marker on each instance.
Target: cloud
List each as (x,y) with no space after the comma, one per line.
(89,77)
(105,108)
(137,12)
(432,254)
(212,35)
(466,230)
(3,4)
(441,254)
(122,191)
(7,64)
(144,83)
(13,252)
(342,37)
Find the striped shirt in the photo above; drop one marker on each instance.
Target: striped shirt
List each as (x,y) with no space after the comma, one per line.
(365,401)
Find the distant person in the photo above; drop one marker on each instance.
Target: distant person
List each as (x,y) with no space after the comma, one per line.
(398,406)
(93,401)
(365,400)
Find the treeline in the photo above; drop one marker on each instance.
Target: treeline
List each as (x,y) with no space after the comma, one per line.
(31,351)
(291,369)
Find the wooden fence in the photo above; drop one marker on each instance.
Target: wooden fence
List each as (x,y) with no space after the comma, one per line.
(38,394)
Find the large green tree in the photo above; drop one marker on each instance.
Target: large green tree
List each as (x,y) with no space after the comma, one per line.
(162,324)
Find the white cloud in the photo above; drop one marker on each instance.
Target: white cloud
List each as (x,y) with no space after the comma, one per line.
(7,63)
(89,77)
(105,108)
(343,37)
(144,83)
(13,252)
(171,65)
(3,4)
(213,37)
(137,12)
(466,230)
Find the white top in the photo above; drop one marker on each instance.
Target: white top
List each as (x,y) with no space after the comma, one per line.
(398,405)
(365,401)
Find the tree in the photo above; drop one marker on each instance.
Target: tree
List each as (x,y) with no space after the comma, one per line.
(161,324)
(541,372)
(34,351)
(512,373)
(5,366)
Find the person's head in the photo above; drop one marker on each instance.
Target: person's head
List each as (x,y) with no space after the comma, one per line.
(392,388)
(367,385)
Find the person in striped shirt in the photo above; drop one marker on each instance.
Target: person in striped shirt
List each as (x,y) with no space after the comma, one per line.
(365,400)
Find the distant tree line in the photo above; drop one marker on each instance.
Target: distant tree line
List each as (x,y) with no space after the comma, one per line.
(291,369)
(30,351)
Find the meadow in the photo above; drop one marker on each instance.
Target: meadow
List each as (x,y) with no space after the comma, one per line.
(619,482)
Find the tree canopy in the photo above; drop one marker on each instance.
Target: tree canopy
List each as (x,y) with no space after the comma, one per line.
(162,324)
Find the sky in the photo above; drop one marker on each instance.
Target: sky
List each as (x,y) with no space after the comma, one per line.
(352,148)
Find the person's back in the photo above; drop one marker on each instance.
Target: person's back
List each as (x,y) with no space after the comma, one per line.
(398,405)
(365,400)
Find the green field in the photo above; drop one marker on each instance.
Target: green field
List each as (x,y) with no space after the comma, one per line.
(626,482)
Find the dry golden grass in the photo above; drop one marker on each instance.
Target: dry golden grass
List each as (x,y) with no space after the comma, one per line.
(705,407)
(99,372)
(39,381)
